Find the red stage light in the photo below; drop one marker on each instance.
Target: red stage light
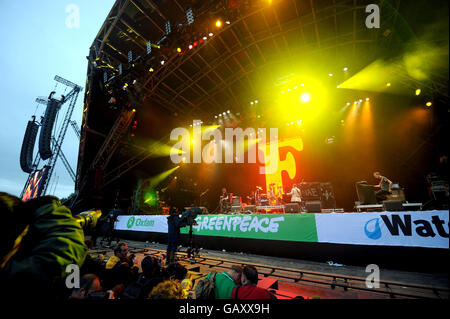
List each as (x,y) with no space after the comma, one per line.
(195,43)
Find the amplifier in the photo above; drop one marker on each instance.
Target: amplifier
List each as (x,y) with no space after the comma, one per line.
(313,207)
(393,205)
(236,209)
(292,208)
(249,208)
(396,195)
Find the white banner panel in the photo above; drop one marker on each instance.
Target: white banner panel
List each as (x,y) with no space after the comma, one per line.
(414,229)
(148,223)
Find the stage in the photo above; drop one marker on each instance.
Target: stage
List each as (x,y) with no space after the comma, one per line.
(411,240)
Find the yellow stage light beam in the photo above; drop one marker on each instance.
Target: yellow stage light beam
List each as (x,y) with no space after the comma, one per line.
(156,180)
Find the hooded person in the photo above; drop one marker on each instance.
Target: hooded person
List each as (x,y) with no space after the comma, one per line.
(39,239)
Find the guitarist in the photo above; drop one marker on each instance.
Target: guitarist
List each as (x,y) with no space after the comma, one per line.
(224,200)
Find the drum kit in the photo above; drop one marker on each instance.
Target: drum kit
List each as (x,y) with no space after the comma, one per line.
(273,197)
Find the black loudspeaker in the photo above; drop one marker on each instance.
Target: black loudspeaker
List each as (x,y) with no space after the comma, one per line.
(313,207)
(366,193)
(393,205)
(292,208)
(249,209)
(47,128)
(26,154)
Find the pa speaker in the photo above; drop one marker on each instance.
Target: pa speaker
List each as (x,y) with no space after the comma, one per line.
(292,208)
(313,207)
(47,128)
(249,209)
(393,205)
(26,154)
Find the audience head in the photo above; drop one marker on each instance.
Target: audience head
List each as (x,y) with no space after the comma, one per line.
(236,273)
(121,250)
(249,275)
(176,271)
(89,284)
(169,289)
(150,266)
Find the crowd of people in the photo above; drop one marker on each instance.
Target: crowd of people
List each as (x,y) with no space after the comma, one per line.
(120,277)
(41,241)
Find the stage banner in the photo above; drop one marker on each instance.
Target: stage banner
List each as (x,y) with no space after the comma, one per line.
(147,223)
(412,229)
(289,227)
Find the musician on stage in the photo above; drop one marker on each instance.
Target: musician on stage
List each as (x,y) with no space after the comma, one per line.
(385,186)
(296,194)
(223,200)
(271,195)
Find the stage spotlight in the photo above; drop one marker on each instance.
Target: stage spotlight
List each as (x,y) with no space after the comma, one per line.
(367,99)
(162,62)
(251,102)
(228,22)
(220,114)
(305,97)
(192,141)
(218,23)
(295,87)
(215,116)
(256,101)
(348,103)
(211,34)
(134,110)
(190,46)
(429,104)
(151,70)
(302,84)
(224,113)
(388,84)
(346,69)
(360,101)
(338,86)
(205,38)
(228,111)
(331,74)
(178,50)
(418,91)
(289,89)
(282,91)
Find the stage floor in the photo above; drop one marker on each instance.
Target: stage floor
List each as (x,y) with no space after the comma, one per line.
(285,269)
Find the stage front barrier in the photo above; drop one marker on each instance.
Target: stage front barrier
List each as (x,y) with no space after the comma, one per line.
(426,229)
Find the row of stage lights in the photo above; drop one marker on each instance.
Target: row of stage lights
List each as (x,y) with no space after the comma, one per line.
(191,46)
(222,114)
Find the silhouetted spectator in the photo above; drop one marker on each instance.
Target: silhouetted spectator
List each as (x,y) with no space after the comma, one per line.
(89,284)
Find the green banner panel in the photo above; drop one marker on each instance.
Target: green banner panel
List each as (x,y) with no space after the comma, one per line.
(289,227)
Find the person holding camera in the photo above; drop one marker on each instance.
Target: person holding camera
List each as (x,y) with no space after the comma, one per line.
(174,223)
